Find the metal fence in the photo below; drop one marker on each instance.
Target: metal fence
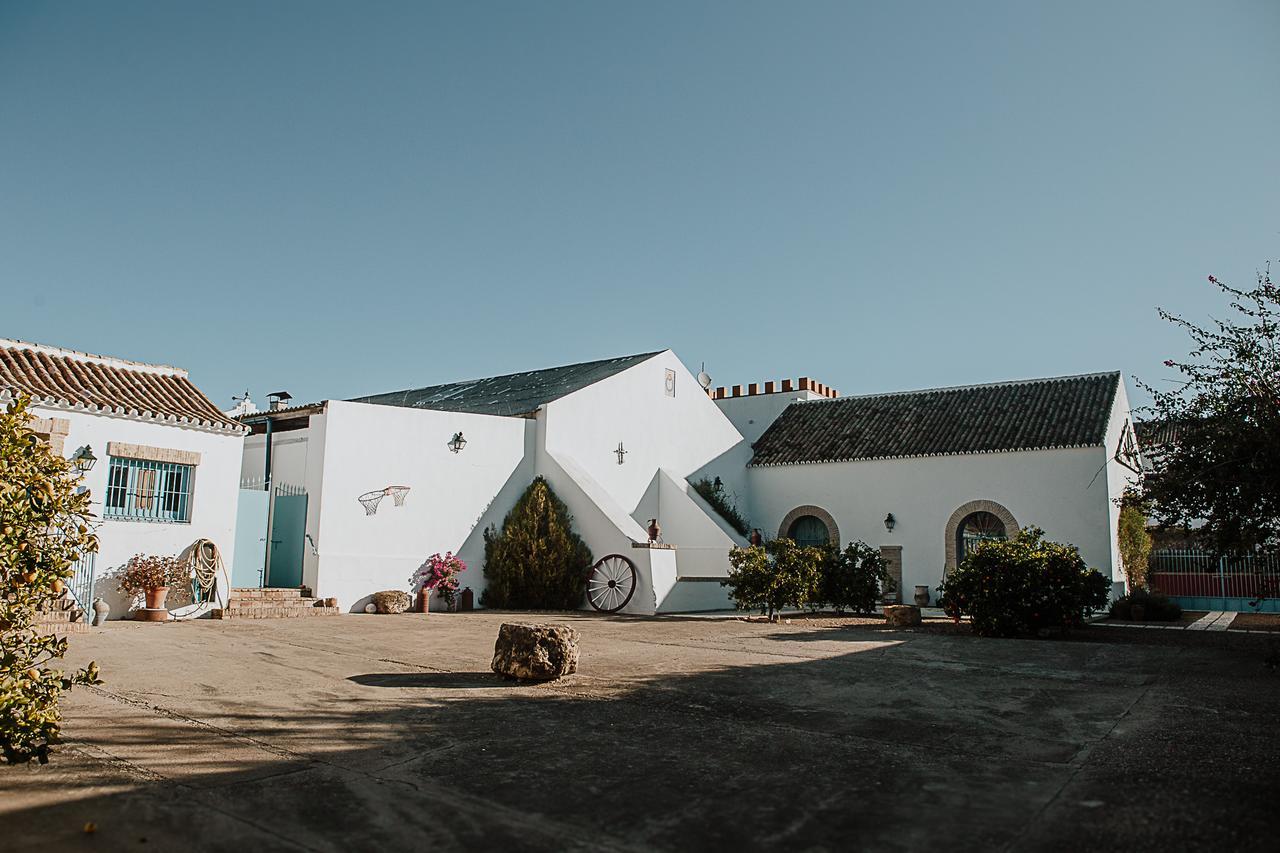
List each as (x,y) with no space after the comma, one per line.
(1202,575)
(82,583)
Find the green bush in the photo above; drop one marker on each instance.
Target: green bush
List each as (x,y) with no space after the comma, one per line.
(1158,608)
(1018,586)
(773,576)
(853,579)
(537,561)
(713,492)
(1134,541)
(44,529)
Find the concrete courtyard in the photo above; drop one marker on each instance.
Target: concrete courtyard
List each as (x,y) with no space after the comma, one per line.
(390,733)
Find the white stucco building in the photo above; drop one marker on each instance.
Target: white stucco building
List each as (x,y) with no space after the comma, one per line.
(620,440)
(168,462)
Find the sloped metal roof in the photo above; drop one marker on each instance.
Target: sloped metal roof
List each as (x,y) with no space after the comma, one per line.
(515,394)
(1037,414)
(78,380)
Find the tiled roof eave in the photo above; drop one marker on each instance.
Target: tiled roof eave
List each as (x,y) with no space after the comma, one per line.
(63,404)
(783,464)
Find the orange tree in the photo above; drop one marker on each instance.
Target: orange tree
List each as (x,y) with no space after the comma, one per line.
(44,529)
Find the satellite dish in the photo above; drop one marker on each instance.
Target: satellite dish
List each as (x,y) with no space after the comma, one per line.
(704,378)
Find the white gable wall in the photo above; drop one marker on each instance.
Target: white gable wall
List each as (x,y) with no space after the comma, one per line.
(679,434)
(213,500)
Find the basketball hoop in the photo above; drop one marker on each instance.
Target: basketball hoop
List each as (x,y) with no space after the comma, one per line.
(370,501)
(397,493)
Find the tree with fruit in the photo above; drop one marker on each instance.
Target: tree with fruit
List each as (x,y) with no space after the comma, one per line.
(44,530)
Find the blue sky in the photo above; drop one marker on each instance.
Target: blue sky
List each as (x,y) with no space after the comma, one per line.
(348,198)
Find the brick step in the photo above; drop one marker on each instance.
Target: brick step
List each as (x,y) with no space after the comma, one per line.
(269,594)
(59,624)
(272,610)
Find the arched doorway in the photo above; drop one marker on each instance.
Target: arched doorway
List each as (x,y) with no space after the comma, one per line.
(810,525)
(975,522)
(809,530)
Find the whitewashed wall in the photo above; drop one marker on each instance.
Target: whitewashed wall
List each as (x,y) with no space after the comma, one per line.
(1119,478)
(679,434)
(610,501)
(213,502)
(1063,491)
(453,495)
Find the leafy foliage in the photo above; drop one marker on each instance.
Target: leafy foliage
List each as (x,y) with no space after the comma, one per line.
(852,579)
(772,576)
(1018,586)
(44,529)
(144,572)
(1222,463)
(537,561)
(440,572)
(1134,541)
(713,492)
(1155,607)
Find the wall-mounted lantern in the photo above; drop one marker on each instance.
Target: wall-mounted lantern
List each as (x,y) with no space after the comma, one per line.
(889,522)
(84,459)
(457,442)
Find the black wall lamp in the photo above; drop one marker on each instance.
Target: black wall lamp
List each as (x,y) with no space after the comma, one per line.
(84,459)
(889,522)
(457,442)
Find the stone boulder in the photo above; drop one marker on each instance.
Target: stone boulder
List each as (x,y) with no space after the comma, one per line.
(391,601)
(535,652)
(902,615)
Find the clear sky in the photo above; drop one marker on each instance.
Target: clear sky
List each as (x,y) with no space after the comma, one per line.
(347,198)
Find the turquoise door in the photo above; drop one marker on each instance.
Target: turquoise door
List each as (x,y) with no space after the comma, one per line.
(288,527)
(251,538)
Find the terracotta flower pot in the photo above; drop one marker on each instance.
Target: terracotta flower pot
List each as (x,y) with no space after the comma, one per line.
(156,596)
(424,600)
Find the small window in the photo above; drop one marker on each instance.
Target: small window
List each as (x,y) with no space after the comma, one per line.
(809,530)
(142,490)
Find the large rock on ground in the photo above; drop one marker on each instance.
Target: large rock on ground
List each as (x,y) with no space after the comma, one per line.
(535,652)
(901,615)
(391,601)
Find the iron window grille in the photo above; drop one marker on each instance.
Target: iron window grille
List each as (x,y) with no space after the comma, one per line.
(142,490)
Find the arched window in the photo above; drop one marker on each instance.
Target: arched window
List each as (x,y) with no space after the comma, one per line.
(809,530)
(977,527)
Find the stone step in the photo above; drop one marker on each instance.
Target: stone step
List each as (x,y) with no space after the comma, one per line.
(59,624)
(268,594)
(272,610)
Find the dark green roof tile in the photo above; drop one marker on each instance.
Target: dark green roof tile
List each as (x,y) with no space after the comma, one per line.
(1069,411)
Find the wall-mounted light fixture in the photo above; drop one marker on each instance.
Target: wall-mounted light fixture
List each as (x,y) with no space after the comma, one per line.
(84,459)
(889,522)
(457,442)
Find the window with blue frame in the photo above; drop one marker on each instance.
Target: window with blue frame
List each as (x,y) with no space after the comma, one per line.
(143,490)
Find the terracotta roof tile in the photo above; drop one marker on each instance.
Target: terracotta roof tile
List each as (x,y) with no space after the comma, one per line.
(64,377)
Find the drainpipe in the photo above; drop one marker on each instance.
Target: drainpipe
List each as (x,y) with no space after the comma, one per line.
(271,506)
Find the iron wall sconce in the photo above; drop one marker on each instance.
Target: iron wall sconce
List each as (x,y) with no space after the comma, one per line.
(84,459)
(457,442)
(889,522)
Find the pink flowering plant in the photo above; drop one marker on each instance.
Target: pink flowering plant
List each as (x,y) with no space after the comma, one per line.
(440,572)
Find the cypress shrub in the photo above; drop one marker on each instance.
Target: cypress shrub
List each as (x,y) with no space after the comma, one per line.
(537,561)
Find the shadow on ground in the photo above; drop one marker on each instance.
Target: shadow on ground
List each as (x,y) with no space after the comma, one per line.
(900,742)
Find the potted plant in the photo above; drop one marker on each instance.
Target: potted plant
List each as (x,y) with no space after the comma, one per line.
(440,573)
(152,576)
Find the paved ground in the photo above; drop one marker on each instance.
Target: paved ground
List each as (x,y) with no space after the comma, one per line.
(388,733)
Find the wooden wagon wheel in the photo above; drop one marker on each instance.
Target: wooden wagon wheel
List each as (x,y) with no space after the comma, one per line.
(611,583)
